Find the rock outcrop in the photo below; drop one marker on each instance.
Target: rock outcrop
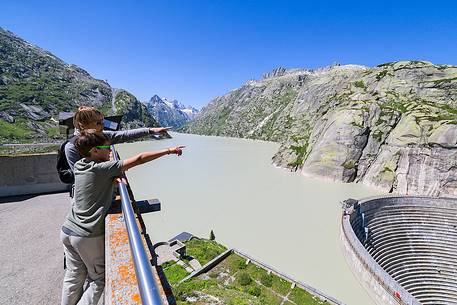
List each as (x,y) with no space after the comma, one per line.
(135,113)
(393,126)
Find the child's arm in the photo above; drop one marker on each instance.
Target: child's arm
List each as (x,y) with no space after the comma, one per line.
(149,156)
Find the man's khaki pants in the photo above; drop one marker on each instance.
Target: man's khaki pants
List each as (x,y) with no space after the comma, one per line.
(85,257)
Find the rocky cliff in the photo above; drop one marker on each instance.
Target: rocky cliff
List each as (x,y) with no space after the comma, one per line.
(393,126)
(170,113)
(35,86)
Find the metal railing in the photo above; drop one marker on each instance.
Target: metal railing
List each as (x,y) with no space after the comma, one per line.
(147,284)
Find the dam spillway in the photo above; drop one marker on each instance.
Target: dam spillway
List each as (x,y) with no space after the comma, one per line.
(413,240)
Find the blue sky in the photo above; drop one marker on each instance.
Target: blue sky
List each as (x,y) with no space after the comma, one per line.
(196,50)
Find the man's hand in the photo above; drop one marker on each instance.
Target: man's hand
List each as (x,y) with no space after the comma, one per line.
(176,150)
(121,180)
(159,130)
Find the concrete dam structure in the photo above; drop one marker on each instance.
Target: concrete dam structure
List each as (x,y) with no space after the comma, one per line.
(403,249)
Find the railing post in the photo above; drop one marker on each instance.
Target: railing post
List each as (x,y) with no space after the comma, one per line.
(147,284)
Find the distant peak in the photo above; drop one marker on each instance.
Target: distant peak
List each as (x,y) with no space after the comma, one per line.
(155,99)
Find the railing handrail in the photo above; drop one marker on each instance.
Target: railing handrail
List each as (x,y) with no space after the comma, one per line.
(147,284)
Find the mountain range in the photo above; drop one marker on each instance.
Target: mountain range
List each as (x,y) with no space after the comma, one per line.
(170,112)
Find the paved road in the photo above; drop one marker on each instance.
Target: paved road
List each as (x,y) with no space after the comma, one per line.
(31,254)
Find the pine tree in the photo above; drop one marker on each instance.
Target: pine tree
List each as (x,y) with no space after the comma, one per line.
(212,236)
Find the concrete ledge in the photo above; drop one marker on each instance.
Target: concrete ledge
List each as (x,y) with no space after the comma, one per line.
(121,282)
(29,174)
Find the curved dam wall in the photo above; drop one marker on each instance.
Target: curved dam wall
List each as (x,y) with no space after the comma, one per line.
(29,174)
(403,249)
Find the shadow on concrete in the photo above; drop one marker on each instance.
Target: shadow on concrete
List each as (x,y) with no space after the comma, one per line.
(163,279)
(20,198)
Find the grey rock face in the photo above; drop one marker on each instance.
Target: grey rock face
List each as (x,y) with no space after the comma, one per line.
(135,113)
(393,126)
(8,118)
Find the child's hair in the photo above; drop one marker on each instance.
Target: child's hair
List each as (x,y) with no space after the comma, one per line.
(88,139)
(86,115)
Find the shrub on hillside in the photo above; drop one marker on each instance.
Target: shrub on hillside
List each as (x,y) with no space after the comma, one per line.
(255,291)
(266,280)
(244,279)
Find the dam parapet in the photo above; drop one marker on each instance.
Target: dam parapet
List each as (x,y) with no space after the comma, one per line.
(29,174)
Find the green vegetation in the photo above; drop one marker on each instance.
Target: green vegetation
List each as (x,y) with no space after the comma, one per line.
(237,263)
(350,164)
(288,96)
(249,286)
(53,132)
(255,291)
(26,150)
(300,296)
(174,273)
(442,81)
(381,74)
(422,110)
(189,287)
(360,84)
(222,118)
(281,286)
(357,123)
(300,152)
(278,103)
(9,131)
(203,250)
(300,148)
(386,170)
(266,280)
(377,135)
(243,278)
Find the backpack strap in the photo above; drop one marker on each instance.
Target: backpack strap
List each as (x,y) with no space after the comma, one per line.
(72,140)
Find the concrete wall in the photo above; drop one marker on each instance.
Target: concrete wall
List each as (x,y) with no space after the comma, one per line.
(378,292)
(121,286)
(378,283)
(29,174)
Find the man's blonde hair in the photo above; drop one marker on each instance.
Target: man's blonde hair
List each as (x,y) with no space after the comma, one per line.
(86,115)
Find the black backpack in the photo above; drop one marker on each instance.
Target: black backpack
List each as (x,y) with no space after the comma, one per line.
(63,168)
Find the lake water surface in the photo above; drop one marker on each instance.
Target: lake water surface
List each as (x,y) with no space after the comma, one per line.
(229,185)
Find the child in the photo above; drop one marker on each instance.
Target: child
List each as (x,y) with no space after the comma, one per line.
(83,231)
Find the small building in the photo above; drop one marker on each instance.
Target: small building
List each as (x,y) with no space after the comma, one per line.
(178,248)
